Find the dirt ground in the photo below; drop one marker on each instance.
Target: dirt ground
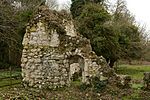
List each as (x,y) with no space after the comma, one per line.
(18,92)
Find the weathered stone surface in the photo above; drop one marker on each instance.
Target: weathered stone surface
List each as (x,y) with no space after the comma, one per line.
(70,30)
(53,52)
(54,39)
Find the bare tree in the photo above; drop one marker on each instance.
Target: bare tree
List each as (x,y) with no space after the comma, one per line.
(52,4)
(12,26)
(66,6)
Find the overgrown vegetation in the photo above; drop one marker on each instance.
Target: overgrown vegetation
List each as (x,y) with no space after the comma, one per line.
(136,71)
(137,74)
(14,15)
(98,89)
(113,35)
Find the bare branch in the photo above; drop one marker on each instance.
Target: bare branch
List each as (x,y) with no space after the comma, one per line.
(52,4)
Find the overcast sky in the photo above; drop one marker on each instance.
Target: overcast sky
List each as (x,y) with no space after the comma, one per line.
(139,8)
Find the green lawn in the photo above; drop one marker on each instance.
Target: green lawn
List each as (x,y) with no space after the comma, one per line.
(8,78)
(4,74)
(135,71)
(8,82)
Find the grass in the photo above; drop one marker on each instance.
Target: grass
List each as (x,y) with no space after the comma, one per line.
(135,71)
(6,74)
(9,82)
(8,78)
(137,74)
(74,92)
(137,86)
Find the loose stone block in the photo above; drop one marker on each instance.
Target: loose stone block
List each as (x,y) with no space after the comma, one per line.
(146,80)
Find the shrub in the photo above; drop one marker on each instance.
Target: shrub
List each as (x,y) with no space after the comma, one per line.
(97,84)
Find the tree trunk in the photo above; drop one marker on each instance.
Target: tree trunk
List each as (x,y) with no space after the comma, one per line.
(112,62)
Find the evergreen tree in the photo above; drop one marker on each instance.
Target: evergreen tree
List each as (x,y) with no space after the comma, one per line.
(112,35)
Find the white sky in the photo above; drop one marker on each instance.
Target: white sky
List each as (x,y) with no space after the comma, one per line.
(139,8)
(63,1)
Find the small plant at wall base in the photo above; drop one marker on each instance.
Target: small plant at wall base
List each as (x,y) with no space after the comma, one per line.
(95,84)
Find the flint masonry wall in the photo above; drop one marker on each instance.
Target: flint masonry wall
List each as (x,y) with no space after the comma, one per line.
(53,52)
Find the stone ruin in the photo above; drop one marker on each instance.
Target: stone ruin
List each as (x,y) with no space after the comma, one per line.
(53,52)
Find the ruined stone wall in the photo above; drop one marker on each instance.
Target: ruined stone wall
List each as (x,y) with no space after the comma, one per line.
(53,51)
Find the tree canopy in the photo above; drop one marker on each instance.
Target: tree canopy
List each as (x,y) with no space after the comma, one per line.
(113,35)
(14,15)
